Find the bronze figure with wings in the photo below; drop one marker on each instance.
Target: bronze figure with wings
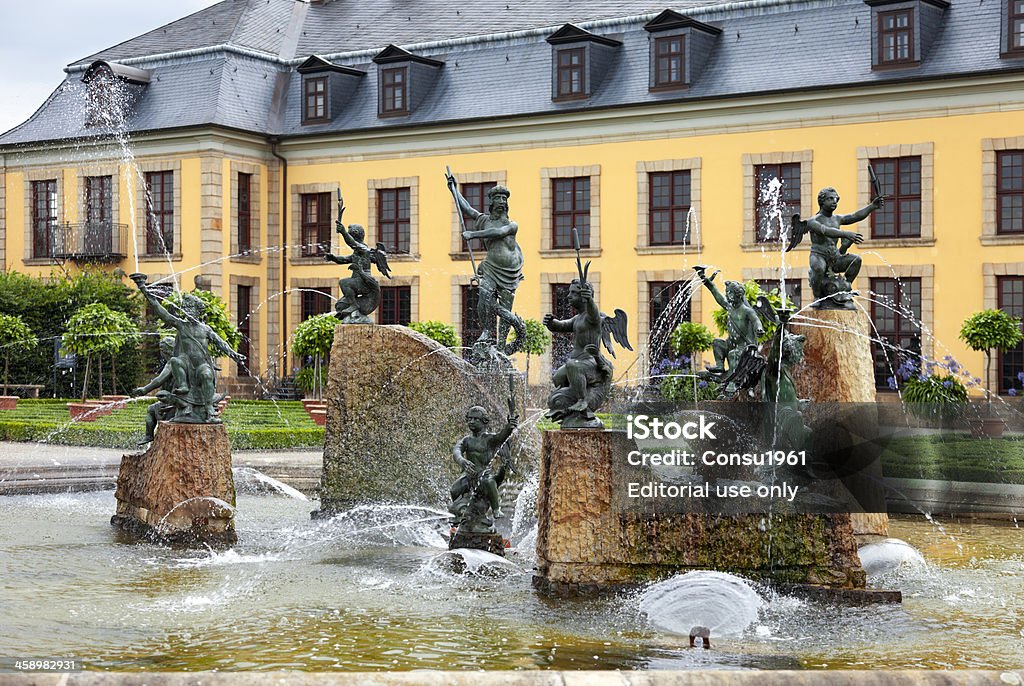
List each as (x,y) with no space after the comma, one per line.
(360,292)
(583,383)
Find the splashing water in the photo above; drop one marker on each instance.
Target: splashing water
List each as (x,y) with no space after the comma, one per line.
(889,555)
(724,603)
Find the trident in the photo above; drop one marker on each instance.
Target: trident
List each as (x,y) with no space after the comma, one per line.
(462,224)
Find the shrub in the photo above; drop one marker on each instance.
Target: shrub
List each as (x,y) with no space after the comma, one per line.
(690,338)
(15,337)
(439,331)
(679,387)
(538,338)
(94,330)
(314,336)
(306,378)
(934,397)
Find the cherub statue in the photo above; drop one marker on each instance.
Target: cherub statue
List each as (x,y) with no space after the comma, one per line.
(162,409)
(832,267)
(787,430)
(475,500)
(583,383)
(191,369)
(739,349)
(360,292)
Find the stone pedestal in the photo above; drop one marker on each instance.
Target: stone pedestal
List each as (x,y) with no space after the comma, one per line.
(396,405)
(584,546)
(838,368)
(492,543)
(179,490)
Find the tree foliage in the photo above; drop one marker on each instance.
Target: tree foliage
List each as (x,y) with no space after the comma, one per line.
(538,338)
(97,330)
(15,337)
(689,338)
(314,336)
(989,329)
(439,331)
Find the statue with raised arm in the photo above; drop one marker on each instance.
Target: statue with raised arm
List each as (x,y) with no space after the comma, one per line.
(475,499)
(360,293)
(190,369)
(832,267)
(583,383)
(498,275)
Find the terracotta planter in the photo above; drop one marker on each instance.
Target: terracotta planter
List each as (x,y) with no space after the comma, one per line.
(8,402)
(990,427)
(120,401)
(319,416)
(82,412)
(101,407)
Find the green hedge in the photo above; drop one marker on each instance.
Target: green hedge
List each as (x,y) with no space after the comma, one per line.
(956,458)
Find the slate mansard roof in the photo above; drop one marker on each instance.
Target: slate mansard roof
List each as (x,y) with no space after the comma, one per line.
(222,66)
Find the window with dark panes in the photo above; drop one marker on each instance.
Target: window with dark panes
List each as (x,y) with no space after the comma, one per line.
(900,179)
(316,301)
(896,315)
(395,305)
(44,216)
(1010,293)
(668,62)
(561,343)
(244,212)
(793,290)
(393,219)
(571,63)
(98,235)
(470,326)
(394,91)
(243,316)
(476,195)
(895,37)
(770,213)
(1010,191)
(669,205)
(571,209)
(660,302)
(316,224)
(315,102)
(160,214)
(1015,22)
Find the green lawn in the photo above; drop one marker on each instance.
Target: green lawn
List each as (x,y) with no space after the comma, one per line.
(956,457)
(251,424)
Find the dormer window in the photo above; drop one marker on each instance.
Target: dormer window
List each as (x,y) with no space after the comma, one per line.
(895,37)
(314,108)
(404,80)
(1012,41)
(902,31)
(579,62)
(680,47)
(112,90)
(394,84)
(571,79)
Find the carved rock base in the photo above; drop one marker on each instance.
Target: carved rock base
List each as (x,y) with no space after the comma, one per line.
(492,543)
(181,490)
(584,546)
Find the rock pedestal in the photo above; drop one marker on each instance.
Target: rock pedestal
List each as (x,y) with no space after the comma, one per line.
(396,405)
(492,543)
(838,368)
(584,546)
(181,490)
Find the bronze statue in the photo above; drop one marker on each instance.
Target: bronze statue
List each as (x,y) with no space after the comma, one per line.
(739,349)
(499,274)
(583,383)
(190,369)
(163,409)
(475,500)
(833,268)
(360,292)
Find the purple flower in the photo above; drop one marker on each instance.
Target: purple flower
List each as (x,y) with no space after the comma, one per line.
(1012,392)
(892,383)
(977,379)
(947,383)
(702,384)
(1020,377)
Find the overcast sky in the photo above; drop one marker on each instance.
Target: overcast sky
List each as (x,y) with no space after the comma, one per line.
(39,38)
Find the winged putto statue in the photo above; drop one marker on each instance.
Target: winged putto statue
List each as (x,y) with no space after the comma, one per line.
(360,292)
(583,383)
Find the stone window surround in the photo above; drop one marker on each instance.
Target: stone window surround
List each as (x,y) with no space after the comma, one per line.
(255,255)
(807,196)
(925,272)
(372,230)
(499,177)
(143,167)
(643,215)
(234,281)
(991,271)
(548,279)
(40,174)
(296,192)
(413,282)
(643,309)
(111,169)
(547,174)
(295,286)
(989,148)
(865,193)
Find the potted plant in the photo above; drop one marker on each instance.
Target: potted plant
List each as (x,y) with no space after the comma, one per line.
(986,331)
(313,340)
(95,330)
(538,338)
(14,336)
(935,398)
(678,376)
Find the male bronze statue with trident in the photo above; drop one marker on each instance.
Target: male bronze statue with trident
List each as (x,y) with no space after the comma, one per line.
(499,274)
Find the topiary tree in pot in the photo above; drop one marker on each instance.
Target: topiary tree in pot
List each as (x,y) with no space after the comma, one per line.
(96,330)
(15,336)
(312,342)
(986,331)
